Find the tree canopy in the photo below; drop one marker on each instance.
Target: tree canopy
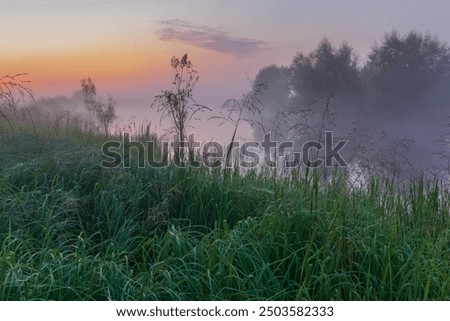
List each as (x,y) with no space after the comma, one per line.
(325,71)
(407,71)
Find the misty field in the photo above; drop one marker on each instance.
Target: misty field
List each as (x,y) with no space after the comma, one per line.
(377,229)
(72,230)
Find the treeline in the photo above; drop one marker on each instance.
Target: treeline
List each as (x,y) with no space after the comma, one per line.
(401,89)
(403,72)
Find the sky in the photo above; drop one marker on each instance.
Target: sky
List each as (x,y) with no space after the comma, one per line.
(126,46)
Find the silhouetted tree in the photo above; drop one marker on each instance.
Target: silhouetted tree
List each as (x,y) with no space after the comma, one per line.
(90,95)
(104,111)
(407,71)
(274,99)
(325,72)
(402,93)
(276,81)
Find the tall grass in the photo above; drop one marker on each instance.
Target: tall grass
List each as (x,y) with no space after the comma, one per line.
(75,231)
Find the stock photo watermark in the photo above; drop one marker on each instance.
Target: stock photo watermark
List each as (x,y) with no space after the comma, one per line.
(212,154)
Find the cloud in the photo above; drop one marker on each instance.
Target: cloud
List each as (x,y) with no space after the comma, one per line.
(215,39)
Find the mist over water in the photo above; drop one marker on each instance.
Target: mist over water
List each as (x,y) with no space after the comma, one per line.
(394,109)
(135,113)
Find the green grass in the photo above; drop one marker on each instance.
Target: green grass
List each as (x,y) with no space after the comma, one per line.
(72,230)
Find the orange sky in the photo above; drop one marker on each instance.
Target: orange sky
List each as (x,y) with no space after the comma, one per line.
(126,46)
(61,72)
(126,68)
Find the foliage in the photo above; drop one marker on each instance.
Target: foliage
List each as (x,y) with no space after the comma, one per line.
(402,72)
(105,112)
(275,97)
(325,71)
(401,93)
(75,231)
(408,70)
(90,95)
(277,87)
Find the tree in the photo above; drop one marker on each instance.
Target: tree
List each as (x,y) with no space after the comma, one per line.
(276,81)
(407,82)
(274,99)
(178,103)
(325,72)
(105,112)
(407,71)
(90,95)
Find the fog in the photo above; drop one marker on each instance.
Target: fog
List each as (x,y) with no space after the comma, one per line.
(393,108)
